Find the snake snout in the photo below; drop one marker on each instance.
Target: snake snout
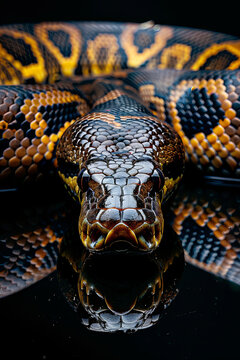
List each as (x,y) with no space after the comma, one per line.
(144,238)
(121,237)
(126,230)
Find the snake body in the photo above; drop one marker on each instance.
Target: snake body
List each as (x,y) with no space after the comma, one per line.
(109,135)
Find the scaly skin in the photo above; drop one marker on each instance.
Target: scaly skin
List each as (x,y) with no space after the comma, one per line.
(122,163)
(193,85)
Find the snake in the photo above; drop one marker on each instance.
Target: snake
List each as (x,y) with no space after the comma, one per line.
(117,110)
(128,300)
(38,235)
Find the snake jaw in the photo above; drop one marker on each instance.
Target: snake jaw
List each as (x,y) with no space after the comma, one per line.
(121,233)
(121,237)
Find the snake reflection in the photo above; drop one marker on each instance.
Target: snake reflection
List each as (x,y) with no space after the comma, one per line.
(110,296)
(206,223)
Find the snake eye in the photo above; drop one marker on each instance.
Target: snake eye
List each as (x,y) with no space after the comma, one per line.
(83,180)
(158,180)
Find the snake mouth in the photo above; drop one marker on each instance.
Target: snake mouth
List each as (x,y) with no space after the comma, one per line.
(121,237)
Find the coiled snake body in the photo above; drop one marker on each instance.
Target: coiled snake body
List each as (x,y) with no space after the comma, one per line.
(120,136)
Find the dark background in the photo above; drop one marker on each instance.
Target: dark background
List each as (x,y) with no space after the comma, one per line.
(218,16)
(203,321)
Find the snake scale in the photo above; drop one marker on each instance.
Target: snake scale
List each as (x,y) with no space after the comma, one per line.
(118,109)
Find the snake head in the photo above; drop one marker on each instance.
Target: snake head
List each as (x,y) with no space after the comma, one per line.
(121,204)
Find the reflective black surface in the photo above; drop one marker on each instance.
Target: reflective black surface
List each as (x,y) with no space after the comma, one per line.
(120,292)
(202,322)
(197,318)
